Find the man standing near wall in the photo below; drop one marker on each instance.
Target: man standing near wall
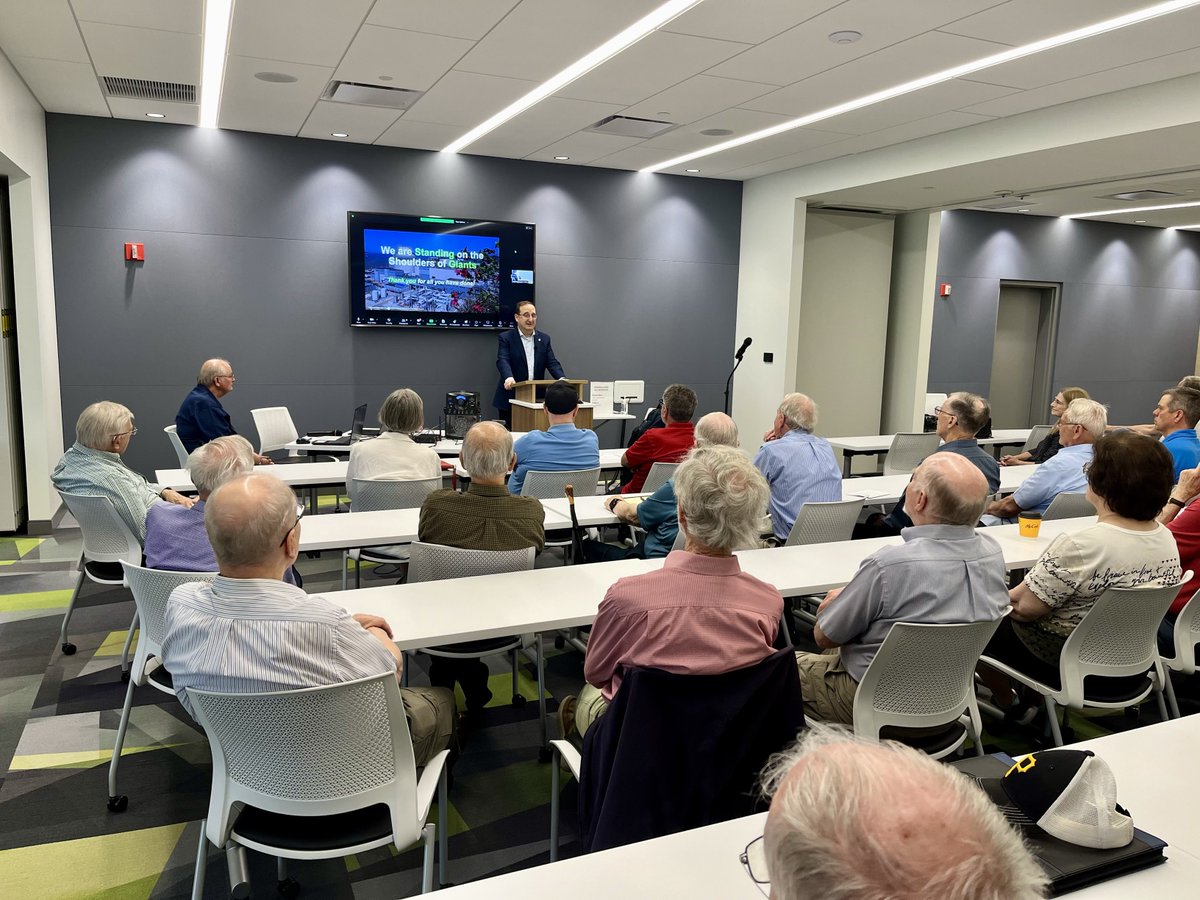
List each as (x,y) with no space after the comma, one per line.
(522,355)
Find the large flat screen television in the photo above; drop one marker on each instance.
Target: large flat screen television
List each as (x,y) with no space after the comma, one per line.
(437,271)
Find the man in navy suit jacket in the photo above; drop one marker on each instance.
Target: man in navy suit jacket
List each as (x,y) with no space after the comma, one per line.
(516,351)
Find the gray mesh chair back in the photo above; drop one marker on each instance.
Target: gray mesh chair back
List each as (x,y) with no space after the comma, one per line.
(435,562)
(549,485)
(923,676)
(822,523)
(372,494)
(151,589)
(177,445)
(317,752)
(1036,435)
(1068,506)
(275,428)
(106,539)
(908,450)
(660,473)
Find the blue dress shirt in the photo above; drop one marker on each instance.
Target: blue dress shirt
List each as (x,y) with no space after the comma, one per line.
(1185,449)
(658,514)
(800,468)
(1061,473)
(558,448)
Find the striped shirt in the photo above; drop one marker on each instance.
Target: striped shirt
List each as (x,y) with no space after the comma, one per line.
(83,470)
(800,468)
(257,634)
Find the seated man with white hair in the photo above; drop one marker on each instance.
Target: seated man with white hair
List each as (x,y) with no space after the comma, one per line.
(799,466)
(700,614)
(852,818)
(93,466)
(1080,426)
(249,631)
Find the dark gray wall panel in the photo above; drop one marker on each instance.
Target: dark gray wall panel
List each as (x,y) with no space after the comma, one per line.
(246,242)
(1129,310)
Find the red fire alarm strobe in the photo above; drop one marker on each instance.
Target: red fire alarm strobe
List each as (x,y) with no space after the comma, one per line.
(135,252)
(943,290)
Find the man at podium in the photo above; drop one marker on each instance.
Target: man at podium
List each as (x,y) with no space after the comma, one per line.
(522,355)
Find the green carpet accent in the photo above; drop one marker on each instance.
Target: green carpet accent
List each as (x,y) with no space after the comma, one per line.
(13,548)
(526,786)
(115,643)
(39,600)
(455,823)
(134,890)
(78,759)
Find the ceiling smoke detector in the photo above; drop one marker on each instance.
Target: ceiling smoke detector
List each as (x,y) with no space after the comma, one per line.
(845,37)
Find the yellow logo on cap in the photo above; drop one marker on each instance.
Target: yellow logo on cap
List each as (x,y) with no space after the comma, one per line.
(1022,766)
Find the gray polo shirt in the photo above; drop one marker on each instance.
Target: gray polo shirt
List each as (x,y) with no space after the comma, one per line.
(940,575)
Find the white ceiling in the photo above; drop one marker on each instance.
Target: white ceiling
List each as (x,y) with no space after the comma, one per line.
(739,65)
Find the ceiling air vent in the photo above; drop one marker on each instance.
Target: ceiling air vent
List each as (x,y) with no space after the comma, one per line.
(371,95)
(141,89)
(1141,195)
(627,126)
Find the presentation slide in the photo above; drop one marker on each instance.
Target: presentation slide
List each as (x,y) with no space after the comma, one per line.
(410,271)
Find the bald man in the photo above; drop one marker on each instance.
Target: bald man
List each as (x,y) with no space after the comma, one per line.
(855,818)
(249,631)
(201,417)
(943,573)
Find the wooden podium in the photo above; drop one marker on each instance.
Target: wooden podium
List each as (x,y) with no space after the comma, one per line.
(527,412)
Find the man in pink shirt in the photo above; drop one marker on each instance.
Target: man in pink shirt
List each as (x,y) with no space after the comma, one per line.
(700,614)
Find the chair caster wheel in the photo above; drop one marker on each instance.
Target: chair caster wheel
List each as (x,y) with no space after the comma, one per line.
(68,649)
(118,804)
(1133,712)
(518,700)
(288,888)
(559,643)
(544,754)
(125,677)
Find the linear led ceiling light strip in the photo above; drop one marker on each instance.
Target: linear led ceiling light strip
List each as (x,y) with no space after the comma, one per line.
(217,14)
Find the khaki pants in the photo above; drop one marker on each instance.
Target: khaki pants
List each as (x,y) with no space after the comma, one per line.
(590,706)
(431,716)
(827,687)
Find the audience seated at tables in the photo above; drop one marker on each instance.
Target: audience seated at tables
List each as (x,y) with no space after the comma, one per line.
(958,421)
(1175,419)
(853,819)
(249,631)
(669,444)
(394,455)
(945,572)
(699,614)
(486,517)
(93,466)
(1129,481)
(799,466)
(1182,518)
(1081,425)
(561,446)
(1187,381)
(656,514)
(201,417)
(1049,445)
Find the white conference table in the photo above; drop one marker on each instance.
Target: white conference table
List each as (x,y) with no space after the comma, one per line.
(704,862)
(876,444)
(443,612)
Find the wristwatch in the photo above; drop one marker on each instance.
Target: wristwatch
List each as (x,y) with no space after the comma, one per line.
(1180,503)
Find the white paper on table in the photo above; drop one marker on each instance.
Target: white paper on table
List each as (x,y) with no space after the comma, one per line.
(602,397)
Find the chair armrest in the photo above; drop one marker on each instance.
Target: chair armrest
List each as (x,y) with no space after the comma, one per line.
(427,783)
(570,755)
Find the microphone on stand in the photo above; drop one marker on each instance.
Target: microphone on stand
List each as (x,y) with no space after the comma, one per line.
(738,357)
(742,349)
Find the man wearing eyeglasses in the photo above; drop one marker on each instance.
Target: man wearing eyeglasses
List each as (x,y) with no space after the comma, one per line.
(249,631)
(201,417)
(522,354)
(1080,426)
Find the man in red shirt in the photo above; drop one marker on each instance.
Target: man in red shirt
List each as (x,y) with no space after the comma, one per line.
(1182,518)
(669,444)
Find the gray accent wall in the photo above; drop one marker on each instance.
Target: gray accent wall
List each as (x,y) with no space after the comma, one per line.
(245,240)
(1129,311)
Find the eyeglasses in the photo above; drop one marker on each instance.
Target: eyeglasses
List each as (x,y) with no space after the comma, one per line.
(938,410)
(1062,422)
(131,432)
(754,858)
(526,315)
(299,516)
(228,375)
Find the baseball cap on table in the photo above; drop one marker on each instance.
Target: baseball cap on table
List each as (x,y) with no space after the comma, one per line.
(561,398)
(1069,794)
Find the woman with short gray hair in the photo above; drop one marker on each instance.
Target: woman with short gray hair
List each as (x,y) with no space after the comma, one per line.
(394,455)
(93,466)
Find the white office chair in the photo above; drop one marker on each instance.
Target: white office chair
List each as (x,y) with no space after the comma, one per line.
(908,450)
(1187,636)
(1069,505)
(287,758)
(370,494)
(660,473)
(1116,639)
(151,589)
(548,485)
(1036,435)
(822,523)
(275,429)
(107,541)
(924,676)
(565,752)
(177,445)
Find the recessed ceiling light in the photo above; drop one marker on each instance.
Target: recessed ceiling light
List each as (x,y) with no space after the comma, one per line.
(1022,210)
(1139,221)
(691,171)
(945,75)
(610,48)
(276,77)
(716,132)
(845,37)
(385,78)
(338,134)
(217,16)
(562,157)
(1131,209)
(156,115)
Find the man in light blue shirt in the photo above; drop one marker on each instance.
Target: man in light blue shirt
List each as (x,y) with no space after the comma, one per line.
(799,466)
(1175,419)
(1081,425)
(562,446)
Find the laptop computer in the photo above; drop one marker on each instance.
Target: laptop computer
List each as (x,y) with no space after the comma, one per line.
(356,429)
